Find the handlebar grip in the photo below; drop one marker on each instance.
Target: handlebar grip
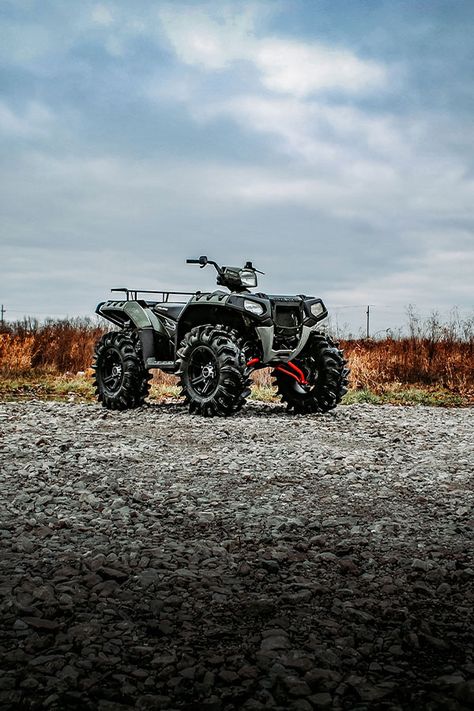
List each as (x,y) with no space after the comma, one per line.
(192,261)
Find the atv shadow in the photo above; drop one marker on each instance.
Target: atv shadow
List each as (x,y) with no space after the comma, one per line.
(252,408)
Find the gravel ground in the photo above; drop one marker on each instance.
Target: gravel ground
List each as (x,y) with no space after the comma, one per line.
(154,560)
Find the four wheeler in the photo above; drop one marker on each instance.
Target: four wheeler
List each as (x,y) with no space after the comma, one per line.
(213,341)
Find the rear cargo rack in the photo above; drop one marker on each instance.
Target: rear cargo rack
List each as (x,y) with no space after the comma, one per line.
(132,294)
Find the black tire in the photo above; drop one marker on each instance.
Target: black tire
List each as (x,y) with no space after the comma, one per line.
(120,378)
(212,371)
(324,366)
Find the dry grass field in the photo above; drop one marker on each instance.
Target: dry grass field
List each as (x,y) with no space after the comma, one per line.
(433,365)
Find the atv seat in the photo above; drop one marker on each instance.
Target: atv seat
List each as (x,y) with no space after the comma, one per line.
(172,311)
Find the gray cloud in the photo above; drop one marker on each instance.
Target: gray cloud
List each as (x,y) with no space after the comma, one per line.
(134,139)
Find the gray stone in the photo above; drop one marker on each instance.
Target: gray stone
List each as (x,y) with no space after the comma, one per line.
(464,692)
(323,700)
(152,559)
(276,641)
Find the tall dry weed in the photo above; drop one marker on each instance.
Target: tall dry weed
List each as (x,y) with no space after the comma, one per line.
(55,346)
(412,361)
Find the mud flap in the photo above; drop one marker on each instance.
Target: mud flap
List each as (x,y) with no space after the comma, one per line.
(147,339)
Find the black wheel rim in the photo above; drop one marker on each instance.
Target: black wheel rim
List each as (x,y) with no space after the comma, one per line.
(203,371)
(112,372)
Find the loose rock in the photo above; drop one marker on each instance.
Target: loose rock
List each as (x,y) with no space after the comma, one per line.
(153,560)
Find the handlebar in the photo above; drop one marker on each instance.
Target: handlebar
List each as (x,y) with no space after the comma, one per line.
(203,261)
(227,276)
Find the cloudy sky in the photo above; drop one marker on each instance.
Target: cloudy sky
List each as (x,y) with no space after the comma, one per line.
(330,141)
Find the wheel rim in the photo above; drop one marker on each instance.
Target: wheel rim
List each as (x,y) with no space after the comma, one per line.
(112,372)
(203,371)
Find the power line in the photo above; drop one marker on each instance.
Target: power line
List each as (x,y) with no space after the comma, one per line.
(40,313)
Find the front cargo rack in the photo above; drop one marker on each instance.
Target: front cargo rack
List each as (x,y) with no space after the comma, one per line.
(132,294)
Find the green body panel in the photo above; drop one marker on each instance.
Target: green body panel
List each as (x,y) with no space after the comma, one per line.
(138,315)
(141,317)
(144,317)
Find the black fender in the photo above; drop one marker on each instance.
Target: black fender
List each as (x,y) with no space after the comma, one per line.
(212,310)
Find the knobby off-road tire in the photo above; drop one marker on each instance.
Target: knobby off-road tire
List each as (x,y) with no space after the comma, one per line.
(212,371)
(120,378)
(324,366)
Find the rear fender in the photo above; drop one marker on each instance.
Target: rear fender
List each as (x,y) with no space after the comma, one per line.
(133,314)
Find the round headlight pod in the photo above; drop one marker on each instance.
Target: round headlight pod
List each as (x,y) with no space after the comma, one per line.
(254,307)
(317,309)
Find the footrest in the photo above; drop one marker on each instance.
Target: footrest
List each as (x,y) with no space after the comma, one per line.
(162,364)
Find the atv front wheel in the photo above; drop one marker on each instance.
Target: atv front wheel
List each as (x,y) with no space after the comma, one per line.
(120,378)
(212,371)
(324,367)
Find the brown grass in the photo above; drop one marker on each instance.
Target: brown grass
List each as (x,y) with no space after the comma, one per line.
(55,347)
(432,356)
(411,361)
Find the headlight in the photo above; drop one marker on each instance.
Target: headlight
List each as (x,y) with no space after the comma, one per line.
(254,307)
(317,309)
(248,277)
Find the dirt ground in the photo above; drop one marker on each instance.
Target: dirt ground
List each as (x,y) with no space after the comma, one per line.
(154,560)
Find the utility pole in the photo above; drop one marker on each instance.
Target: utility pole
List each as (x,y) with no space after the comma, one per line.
(2,312)
(368,320)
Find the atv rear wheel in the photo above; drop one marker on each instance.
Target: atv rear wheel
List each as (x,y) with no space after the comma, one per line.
(324,367)
(212,371)
(120,378)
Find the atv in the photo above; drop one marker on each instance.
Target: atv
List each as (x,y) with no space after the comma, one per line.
(213,341)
